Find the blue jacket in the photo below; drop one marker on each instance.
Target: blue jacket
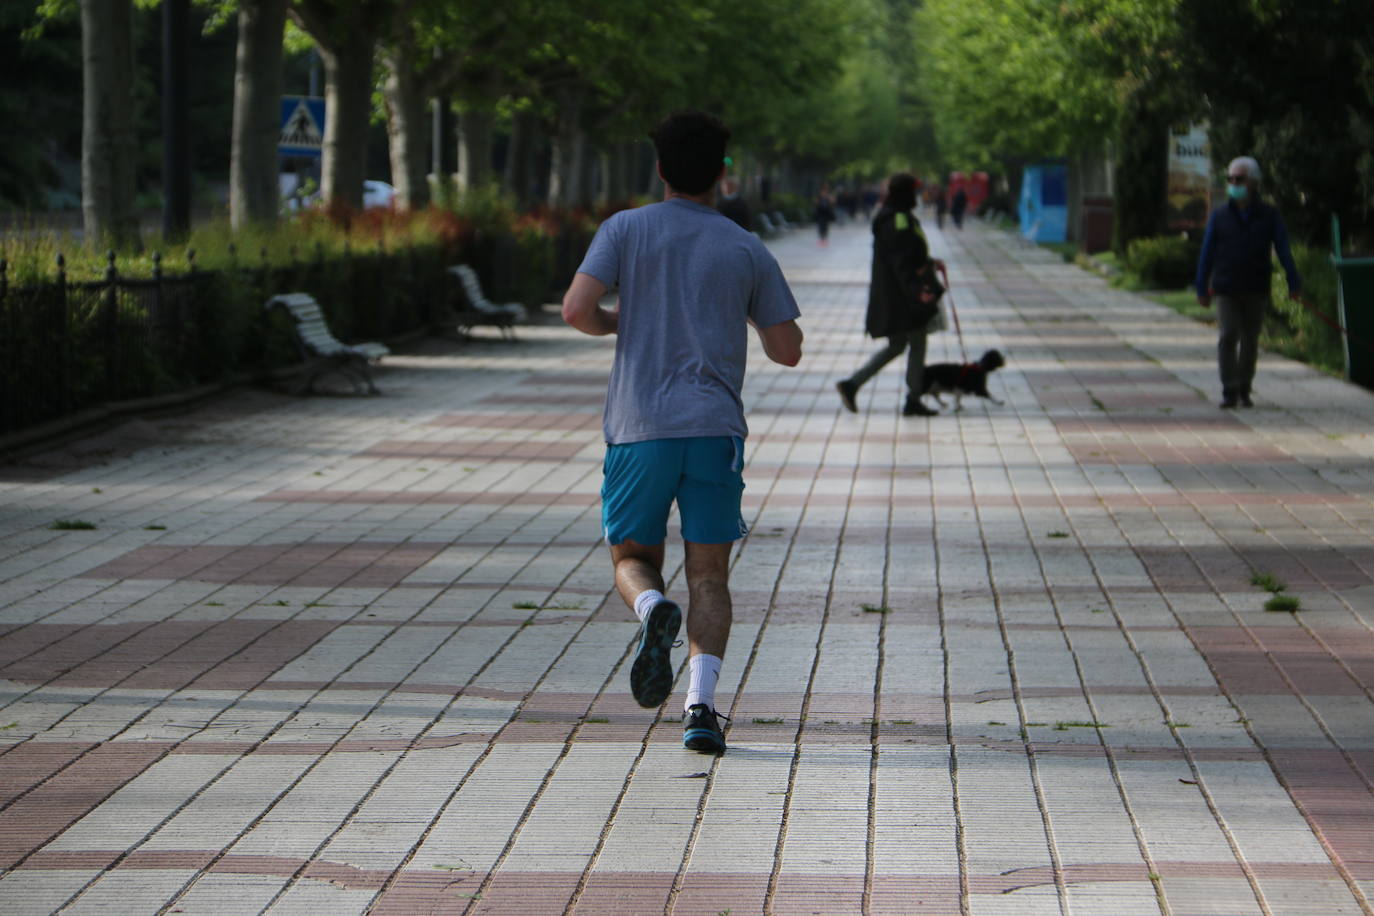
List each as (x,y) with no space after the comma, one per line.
(1235,251)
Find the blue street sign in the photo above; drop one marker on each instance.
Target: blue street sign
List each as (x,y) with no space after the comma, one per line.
(302,126)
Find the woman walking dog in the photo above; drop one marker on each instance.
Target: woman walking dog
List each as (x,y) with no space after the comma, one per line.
(903,295)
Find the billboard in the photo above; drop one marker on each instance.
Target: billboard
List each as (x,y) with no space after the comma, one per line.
(1190,178)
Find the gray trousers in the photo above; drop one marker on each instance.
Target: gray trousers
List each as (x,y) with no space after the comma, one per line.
(914,342)
(1240,315)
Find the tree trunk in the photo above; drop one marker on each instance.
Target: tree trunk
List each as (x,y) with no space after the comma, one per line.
(1141,169)
(520,156)
(253,188)
(474,149)
(569,150)
(405,127)
(108,143)
(348,100)
(620,182)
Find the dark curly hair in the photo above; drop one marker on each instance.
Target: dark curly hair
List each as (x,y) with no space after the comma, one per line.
(901,191)
(691,149)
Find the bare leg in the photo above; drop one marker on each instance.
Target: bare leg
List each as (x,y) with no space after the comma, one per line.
(637,568)
(710,611)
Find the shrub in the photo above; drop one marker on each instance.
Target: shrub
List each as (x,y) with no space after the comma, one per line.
(1293,329)
(1163,261)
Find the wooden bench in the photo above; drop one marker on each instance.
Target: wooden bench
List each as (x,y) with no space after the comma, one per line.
(471,308)
(320,349)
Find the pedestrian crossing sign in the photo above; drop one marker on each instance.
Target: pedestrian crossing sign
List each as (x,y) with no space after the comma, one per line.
(302,126)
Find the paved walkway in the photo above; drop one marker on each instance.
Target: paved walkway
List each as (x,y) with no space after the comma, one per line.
(338,655)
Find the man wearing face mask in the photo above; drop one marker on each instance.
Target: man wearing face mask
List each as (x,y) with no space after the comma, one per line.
(1234,268)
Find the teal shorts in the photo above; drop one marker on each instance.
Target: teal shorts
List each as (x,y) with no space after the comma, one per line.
(704,475)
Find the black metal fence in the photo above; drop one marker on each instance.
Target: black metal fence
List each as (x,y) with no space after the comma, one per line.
(66,346)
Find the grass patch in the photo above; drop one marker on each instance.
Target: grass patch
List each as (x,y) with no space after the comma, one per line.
(1066,250)
(74,524)
(1057,534)
(597,720)
(525,606)
(767,721)
(1269,582)
(154,527)
(1288,603)
(1077,723)
(876,609)
(996,723)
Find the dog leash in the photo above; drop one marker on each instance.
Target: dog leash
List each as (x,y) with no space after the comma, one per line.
(954,312)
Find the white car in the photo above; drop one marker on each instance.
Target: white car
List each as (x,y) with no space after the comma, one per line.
(375,193)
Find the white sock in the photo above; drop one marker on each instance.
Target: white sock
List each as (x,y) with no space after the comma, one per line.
(704,671)
(645,601)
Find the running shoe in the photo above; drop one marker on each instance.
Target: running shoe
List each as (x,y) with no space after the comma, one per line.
(651,675)
(701,730)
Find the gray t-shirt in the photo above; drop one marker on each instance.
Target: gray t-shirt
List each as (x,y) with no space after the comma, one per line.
(689,279)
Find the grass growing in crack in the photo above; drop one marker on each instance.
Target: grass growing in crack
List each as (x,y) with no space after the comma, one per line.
(1058,534)
(597,720)
(876,609)
(154,527)
(1283,603)
(1269,582)
(536,606)
(75,524)
(1065,726)
(767,721)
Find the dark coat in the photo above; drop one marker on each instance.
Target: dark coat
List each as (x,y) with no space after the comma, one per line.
(901,271)
(1236,257)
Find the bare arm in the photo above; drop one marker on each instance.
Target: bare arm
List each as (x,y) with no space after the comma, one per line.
(782,342)
(582,307)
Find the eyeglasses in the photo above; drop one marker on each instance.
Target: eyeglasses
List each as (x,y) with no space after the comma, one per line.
(1236,179)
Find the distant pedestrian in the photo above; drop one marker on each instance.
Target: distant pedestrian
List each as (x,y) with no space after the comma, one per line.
(823,211)
(871,195)
(732,205)
(1235,267)
(691,284)
(903,296)
(941,206)
(957,205)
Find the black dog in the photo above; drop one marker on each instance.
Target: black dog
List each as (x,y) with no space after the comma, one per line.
(970,379)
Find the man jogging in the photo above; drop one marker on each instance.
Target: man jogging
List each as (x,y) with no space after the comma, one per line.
(691,283)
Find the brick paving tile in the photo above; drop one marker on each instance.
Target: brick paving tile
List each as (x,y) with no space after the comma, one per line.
(350,655)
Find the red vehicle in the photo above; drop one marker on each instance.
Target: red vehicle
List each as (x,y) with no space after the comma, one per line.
(975,187)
